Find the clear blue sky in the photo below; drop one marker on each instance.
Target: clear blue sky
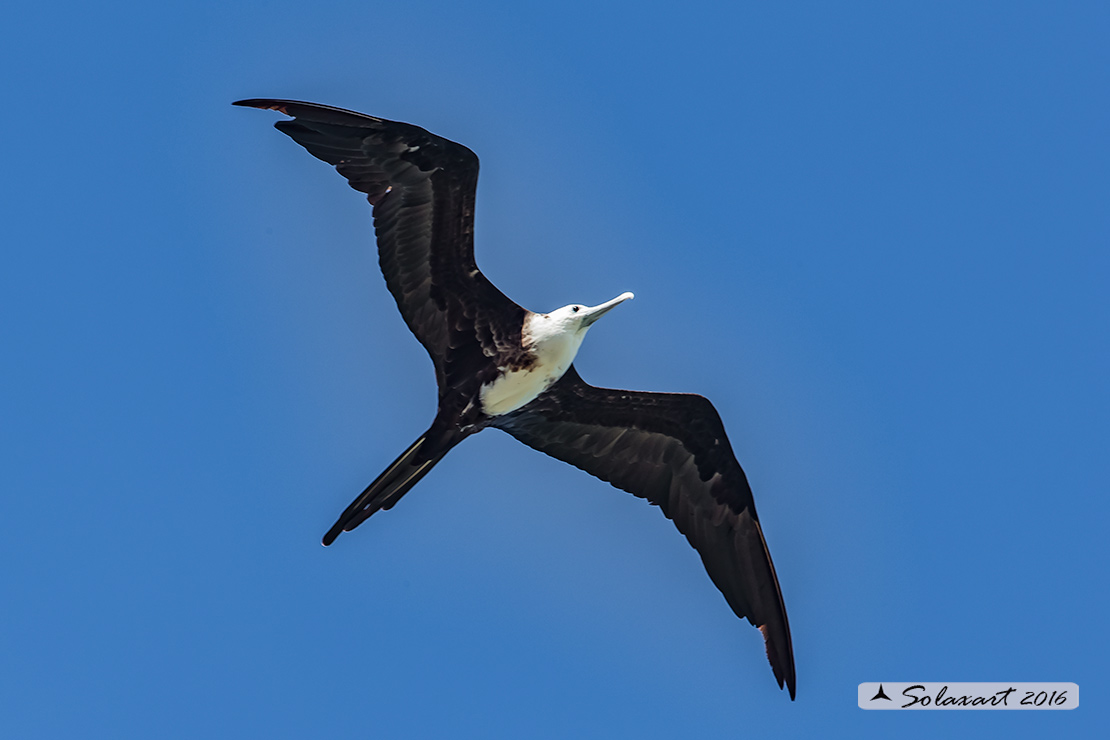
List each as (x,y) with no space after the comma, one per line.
(876,235)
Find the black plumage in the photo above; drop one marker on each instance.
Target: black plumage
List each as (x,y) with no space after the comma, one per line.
(670,449)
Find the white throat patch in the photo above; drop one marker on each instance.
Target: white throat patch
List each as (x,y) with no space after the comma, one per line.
(554,340)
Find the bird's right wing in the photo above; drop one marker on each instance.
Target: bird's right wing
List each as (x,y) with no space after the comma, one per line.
(670,449)
(422,188)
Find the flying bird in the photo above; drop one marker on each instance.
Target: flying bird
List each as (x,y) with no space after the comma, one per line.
(500,365)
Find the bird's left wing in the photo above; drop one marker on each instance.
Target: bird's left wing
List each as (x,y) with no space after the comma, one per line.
(670,449)
(422,188)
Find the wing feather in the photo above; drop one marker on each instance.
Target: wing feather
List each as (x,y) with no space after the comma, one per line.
(422,188)
(670,449)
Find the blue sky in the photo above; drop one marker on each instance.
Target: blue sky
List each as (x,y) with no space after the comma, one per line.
(874,234)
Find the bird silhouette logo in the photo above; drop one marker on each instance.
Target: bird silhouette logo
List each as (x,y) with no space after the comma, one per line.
(881,695)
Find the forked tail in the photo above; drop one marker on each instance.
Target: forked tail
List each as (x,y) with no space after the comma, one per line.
(405,472)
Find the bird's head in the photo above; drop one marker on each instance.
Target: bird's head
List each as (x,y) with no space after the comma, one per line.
(580,318)
(572,320)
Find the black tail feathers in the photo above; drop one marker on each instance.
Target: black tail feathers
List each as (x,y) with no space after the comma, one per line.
(405,472)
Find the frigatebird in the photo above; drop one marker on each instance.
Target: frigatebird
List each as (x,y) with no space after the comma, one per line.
(500,365)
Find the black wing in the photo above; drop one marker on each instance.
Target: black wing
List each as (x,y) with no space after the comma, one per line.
(422,188)
(671,449)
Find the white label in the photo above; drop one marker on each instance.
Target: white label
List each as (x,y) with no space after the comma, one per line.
(978,695)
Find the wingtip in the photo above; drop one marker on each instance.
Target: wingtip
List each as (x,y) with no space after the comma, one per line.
(262,104)
(783,669)
(790,687)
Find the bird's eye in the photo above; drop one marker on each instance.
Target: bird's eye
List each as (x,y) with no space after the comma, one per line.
(575,308)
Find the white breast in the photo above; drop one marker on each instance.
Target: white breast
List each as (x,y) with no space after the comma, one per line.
(554,343)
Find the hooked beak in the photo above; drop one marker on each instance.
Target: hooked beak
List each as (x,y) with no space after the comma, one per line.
(595,313)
